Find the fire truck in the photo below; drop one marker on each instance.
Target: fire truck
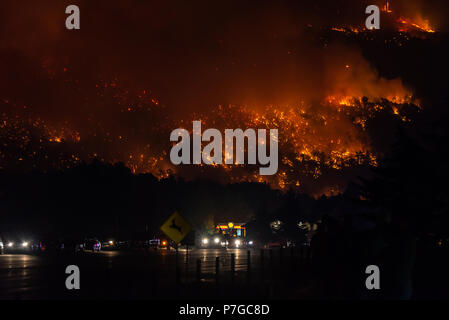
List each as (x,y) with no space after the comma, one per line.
(227,235)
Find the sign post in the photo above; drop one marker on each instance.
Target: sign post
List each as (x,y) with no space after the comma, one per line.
(176,227)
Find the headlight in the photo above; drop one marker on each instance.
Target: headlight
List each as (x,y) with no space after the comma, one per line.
(1,244)
(10,244)
(237,242)
(205,241)
(216,240)
(250,243)
(111,242)
(25,244)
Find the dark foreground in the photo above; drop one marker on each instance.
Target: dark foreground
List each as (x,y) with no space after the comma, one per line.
(289,274)
(142,274)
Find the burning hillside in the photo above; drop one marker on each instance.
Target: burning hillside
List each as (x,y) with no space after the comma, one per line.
(415,26)
(120,100)
(404,24)
(316,138)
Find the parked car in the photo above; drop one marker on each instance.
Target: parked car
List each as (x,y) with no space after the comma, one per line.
(91,244)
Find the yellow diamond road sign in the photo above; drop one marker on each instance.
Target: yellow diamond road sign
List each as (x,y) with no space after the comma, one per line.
(176,227)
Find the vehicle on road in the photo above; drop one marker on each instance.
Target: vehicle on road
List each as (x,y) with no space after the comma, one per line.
(1,246)
(91,244)
(108,245)
(18,246)
(226,235)
(160,243)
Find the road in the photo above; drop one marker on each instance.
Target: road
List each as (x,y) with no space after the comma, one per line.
(113,274)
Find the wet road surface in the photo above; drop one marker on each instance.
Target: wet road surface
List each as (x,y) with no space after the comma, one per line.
(113,274)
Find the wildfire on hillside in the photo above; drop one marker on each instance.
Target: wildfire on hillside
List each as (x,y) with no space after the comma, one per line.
(390,20)
(324,99)
(314,140)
